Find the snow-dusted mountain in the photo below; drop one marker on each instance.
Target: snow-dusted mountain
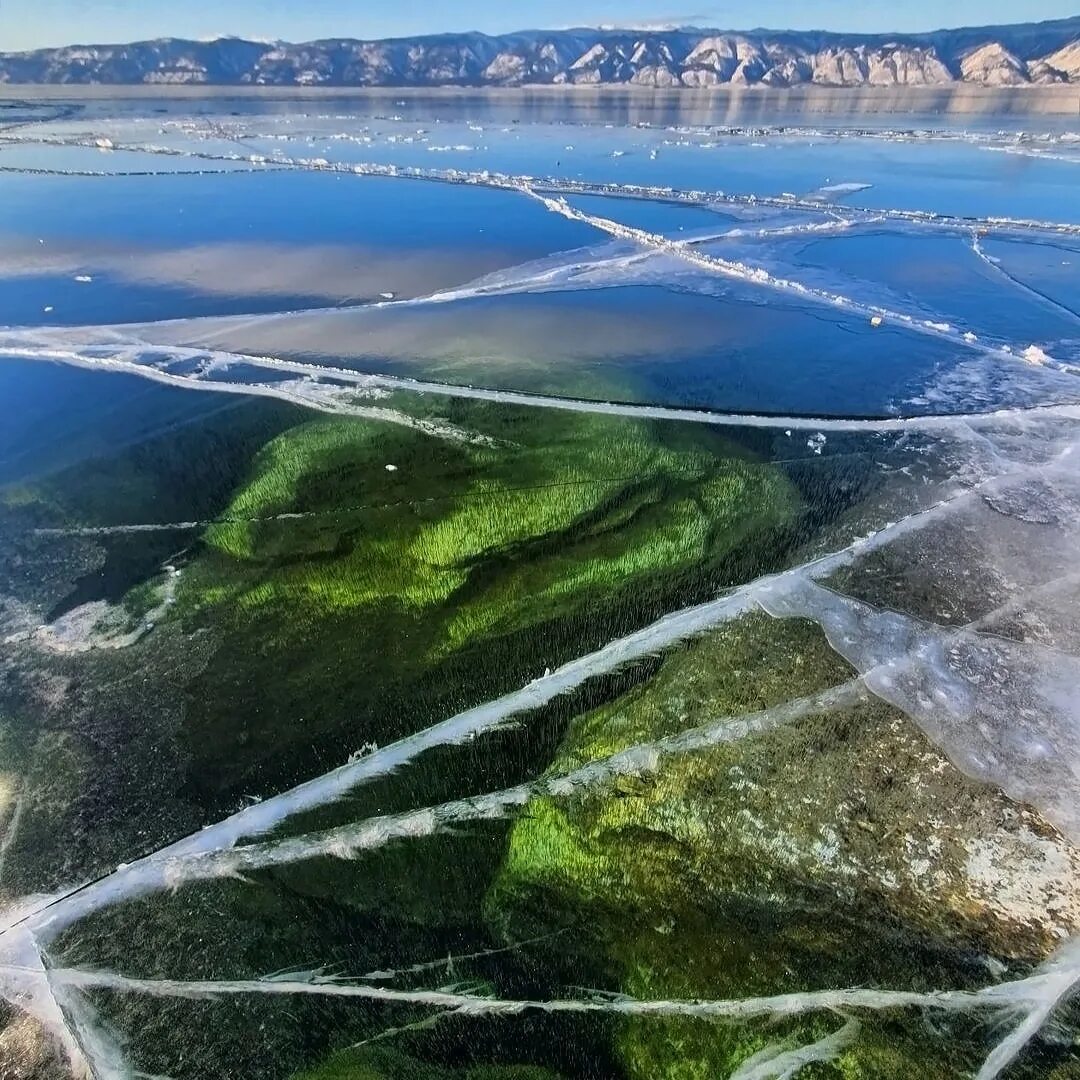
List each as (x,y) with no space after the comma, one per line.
(1046,52)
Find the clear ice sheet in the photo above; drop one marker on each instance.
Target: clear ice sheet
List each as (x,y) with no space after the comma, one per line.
(892,631)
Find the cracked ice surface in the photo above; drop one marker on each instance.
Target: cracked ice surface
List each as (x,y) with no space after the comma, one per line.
(949,590)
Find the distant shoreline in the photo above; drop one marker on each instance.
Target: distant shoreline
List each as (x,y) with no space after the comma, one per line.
(1059,100)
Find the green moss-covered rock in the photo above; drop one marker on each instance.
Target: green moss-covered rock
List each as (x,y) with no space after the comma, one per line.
(574,510)
(837,850)
(374,601)
(372,1063)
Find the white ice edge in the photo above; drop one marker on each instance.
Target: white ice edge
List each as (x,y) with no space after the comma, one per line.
(121,356)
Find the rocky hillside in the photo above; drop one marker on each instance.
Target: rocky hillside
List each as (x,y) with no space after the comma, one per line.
(1046,52)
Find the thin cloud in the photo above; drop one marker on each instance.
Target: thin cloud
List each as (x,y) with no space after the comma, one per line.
(654,22)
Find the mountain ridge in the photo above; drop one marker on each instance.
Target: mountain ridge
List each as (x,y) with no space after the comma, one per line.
(999,56)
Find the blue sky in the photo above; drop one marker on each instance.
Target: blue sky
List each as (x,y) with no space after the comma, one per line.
(28,24)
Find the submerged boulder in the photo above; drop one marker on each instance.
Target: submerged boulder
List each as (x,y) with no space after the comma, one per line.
(829,847)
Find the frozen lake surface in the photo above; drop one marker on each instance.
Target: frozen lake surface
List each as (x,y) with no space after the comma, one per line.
(510,594)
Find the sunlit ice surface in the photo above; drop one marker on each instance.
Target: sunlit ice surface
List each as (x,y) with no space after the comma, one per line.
(519,593)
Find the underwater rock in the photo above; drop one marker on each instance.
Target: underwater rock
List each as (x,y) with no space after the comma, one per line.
(839,849)
(466,572)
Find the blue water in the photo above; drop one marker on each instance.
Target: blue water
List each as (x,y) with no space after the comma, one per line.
(106,228)
(177,245)
(56,416)
(1052,269)
(944,276)
(636,343)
